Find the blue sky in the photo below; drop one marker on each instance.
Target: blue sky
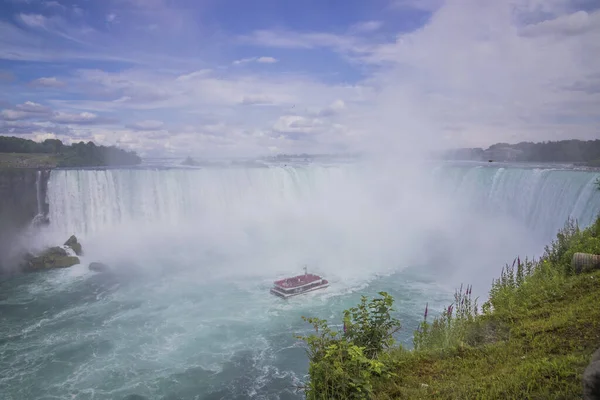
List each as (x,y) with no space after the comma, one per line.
(233,77)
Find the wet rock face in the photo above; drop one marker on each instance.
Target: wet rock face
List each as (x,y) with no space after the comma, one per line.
(22,198)
(75,245)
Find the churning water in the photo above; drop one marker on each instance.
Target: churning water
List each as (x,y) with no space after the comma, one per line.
(186,311)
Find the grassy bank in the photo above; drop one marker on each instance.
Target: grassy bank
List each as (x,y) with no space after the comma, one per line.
(532,339)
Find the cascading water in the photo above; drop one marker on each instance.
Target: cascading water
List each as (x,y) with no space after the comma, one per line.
(186,312)
(542,198)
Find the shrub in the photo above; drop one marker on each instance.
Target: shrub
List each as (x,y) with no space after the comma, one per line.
(345,365)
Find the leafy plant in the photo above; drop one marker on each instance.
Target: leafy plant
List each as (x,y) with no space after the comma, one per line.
(371,325)
(344,365)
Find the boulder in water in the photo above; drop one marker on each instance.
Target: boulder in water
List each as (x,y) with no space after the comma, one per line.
(98,267)
(73,243)
(54,257)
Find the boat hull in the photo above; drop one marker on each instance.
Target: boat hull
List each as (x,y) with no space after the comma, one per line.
(288,295)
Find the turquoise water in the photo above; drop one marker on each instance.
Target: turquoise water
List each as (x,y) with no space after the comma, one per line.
(186,312)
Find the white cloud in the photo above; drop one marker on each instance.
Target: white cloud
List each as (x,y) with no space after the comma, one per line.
(333,109)
(296,40)
(266,60)
(262,60)
(13,115)
(54,4)
(33,20)
(147,125)
(51,82)
(34,108)
(472,76)
(566,25)
(257,100)
(82,118)
(367,26)
(27,110)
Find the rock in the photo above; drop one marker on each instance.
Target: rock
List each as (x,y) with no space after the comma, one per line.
(98,267)
(75,245)
(591,378)
(135,397)
(54,257)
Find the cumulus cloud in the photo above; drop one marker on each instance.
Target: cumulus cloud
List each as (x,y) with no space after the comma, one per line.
(33,108)
(50,82)
(476,74)
(27,110)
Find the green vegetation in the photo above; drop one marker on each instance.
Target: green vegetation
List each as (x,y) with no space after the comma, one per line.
(532,339)
(563,151)
(23,160)
(18,152)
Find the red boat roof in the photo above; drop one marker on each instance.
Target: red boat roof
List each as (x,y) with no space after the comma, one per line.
(297,280)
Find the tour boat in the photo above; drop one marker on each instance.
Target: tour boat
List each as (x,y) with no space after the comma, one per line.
(300,284)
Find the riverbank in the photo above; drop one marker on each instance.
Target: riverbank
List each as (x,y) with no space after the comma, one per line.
(533,338)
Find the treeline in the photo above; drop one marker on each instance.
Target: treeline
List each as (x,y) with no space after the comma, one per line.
(563,151)
(76,155)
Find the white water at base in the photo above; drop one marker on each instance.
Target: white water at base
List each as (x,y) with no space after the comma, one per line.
(186,312)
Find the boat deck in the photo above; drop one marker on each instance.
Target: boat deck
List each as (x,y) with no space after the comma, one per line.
(297,281)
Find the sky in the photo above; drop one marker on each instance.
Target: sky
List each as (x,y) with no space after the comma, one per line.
(241,78)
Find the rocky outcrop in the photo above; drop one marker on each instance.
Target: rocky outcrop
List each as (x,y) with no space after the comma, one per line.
(75,245)
(54,257)
(591,378)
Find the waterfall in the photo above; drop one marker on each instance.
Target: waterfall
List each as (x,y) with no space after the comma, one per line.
(542,198)
(90,201)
